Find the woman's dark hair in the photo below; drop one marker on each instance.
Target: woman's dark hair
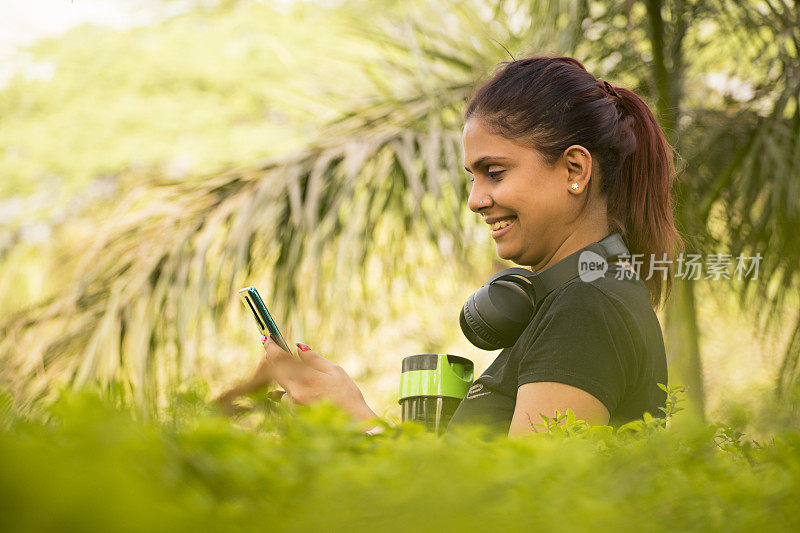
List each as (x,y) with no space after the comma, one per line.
(551,103)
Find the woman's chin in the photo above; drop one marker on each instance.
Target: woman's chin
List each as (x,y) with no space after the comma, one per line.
(508,253)
(515,255)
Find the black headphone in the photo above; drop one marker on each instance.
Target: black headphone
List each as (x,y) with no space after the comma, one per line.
(496,314)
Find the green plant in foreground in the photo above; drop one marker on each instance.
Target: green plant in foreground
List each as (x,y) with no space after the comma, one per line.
(85,464)
(567,424)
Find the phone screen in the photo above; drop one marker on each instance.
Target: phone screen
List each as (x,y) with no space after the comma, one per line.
(266,325)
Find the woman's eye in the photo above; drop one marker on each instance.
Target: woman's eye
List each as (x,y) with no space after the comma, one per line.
(492,175)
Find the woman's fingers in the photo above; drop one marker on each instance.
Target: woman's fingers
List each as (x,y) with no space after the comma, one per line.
(285,368)
(312,359)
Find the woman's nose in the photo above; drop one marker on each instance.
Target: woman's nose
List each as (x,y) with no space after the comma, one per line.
(478,199)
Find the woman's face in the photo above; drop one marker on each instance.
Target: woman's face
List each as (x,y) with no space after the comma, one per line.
(515,184)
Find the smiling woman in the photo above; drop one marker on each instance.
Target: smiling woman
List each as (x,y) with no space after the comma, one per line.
(560,161)
(562,164)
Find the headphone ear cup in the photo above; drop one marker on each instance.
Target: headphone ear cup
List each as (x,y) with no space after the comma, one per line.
(475,330)
(496,315)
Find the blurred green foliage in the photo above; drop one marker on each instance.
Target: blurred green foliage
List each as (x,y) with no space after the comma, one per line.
(194,93)
(84,464)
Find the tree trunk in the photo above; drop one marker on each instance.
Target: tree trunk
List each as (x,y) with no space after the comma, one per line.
(682,335)
(683,345)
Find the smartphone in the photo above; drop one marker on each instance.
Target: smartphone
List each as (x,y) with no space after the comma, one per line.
(266,325)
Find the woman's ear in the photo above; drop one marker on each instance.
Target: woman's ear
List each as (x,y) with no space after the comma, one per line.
(578,161)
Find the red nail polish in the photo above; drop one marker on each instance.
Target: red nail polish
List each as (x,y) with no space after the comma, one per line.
(302,346)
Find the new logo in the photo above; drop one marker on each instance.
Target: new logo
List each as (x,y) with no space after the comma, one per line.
(591,266)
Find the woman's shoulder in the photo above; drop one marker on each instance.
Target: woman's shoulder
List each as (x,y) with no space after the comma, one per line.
(616,288)
(606,291)
(604,300)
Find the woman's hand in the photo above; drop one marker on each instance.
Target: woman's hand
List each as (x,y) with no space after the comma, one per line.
(311,378)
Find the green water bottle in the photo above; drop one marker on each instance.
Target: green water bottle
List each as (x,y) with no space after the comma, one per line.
(432,386)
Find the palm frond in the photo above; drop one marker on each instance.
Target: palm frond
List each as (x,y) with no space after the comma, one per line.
(157,280)
(753,163)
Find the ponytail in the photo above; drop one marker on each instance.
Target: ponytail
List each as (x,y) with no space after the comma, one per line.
(616,126)
(639,202)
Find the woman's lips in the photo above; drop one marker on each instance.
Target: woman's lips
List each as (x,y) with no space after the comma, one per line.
(503,231)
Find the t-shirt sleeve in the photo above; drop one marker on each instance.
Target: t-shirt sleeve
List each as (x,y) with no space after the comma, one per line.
(582,340)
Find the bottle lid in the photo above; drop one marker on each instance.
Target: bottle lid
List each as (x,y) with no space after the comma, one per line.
(441,375)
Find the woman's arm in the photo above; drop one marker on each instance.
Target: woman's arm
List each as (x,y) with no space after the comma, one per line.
(545,397)
(306,378)
(257,381)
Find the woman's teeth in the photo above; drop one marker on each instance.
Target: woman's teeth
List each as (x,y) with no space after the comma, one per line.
(500,224)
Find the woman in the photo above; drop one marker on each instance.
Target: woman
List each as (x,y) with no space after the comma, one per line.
(567,159)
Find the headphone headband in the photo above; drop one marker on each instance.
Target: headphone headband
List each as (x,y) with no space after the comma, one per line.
(546,281)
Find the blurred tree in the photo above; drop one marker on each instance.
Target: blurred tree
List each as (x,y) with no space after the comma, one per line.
(738,189)
(171,253)
(164,268)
